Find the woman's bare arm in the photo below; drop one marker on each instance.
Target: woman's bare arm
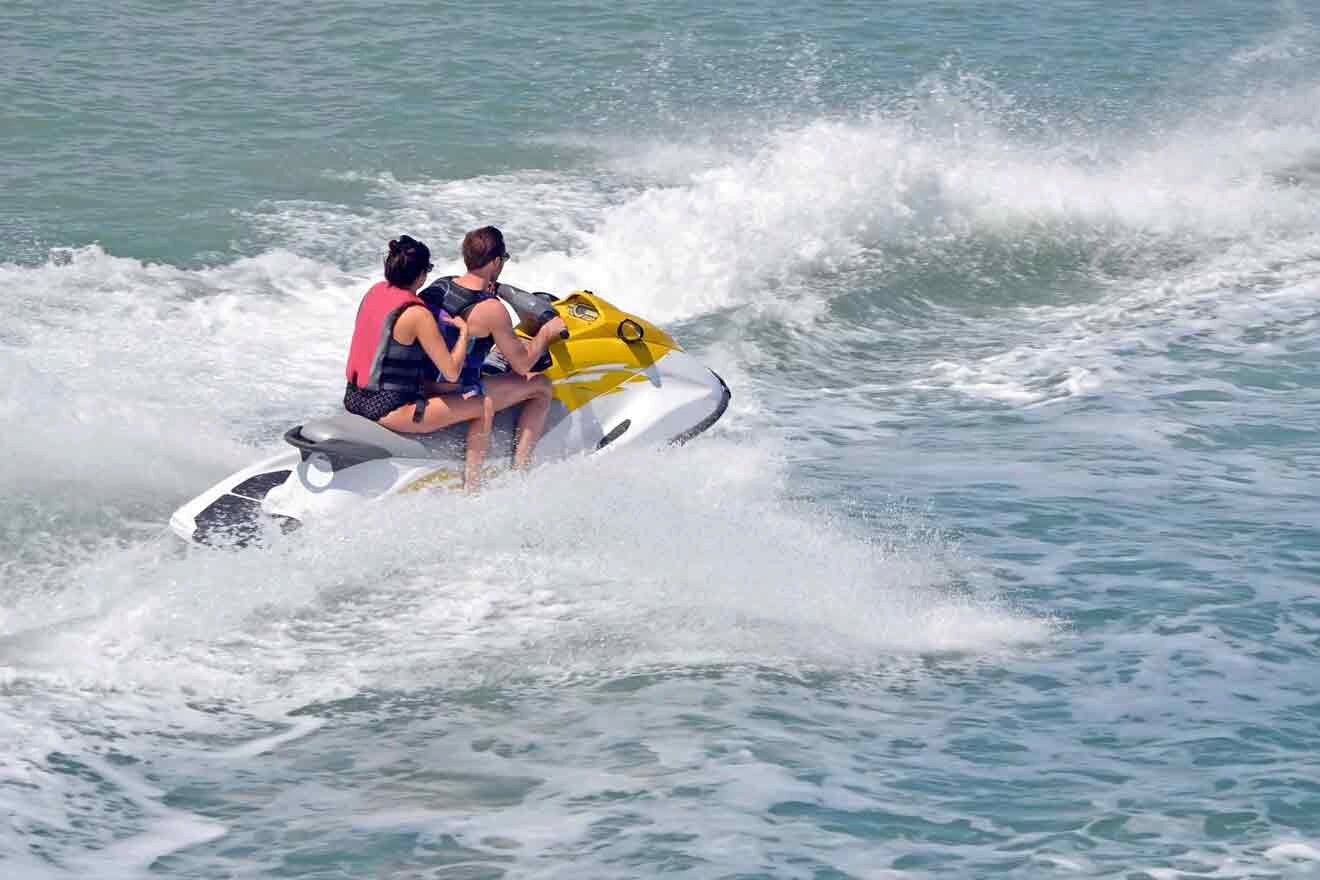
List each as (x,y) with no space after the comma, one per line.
(417,325)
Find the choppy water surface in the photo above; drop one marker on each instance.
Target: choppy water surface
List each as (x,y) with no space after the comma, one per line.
(1003,561)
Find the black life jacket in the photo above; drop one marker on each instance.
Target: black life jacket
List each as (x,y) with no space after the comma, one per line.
(444,296)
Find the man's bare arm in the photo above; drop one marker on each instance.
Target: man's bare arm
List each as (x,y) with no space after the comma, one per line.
(491,317)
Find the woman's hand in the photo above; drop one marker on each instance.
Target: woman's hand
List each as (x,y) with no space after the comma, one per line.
(453,321)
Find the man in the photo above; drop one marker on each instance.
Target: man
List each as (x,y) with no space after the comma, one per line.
(472,297)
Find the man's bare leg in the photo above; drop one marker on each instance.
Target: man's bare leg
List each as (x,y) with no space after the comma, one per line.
(534,392)
(531,422)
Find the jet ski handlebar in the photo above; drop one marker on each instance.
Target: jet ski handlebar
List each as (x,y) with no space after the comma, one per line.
(534,309)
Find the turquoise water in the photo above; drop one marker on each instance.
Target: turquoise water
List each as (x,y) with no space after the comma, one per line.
(1002,562)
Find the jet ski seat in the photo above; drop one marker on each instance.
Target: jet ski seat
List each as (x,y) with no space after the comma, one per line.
(346,439)
(347,427)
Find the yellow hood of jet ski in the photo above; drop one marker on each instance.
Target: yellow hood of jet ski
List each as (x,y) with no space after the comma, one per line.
(606,349)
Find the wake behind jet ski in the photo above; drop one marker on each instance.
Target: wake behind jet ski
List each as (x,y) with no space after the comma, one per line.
(617,380)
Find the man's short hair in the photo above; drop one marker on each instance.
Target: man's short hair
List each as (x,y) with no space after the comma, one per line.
(480,246)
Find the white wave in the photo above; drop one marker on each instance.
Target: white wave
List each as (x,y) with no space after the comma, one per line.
(1294,853)
(636,561)
(134,380)
(168,830)
(823,196)
(678,557)
(1249,304)
(676,229)
(1292,40)
(297,730)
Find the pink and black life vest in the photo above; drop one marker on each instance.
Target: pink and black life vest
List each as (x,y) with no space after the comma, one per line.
(376,362)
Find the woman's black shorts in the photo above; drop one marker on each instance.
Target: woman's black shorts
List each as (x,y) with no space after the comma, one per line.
(375,405)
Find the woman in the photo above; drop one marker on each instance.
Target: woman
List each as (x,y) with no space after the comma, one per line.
(394,347)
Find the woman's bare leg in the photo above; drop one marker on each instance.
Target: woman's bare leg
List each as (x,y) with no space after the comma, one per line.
(502,392)
(446,410)
(441,412)
(478,441)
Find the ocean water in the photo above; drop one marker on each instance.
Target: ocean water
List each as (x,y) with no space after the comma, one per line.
(1003,561)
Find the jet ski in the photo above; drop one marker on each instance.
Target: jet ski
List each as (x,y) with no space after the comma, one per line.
(618,381)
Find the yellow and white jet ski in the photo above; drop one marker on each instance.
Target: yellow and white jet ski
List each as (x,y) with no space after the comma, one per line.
(618,380)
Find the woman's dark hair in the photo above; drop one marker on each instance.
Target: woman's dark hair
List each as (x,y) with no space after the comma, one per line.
(480,246)
(407,259)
